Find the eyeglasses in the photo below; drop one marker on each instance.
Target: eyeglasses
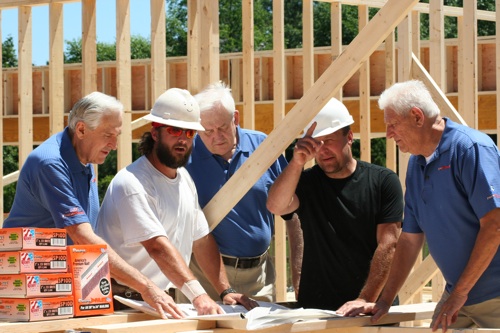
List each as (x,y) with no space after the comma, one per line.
(176,131)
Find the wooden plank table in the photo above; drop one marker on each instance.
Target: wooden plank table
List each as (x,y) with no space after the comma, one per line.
(135,322)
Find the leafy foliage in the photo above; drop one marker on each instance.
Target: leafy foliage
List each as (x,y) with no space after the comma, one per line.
(10,164)
(9,57)
(140,48)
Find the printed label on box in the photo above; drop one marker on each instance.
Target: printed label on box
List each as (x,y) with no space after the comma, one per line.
(92,281)
(36,309)
(36,285)
(15,262)
(32,239)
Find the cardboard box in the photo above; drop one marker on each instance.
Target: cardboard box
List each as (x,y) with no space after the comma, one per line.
(36,285)
(92,280)
(36,309)
(32,239)
(25,261)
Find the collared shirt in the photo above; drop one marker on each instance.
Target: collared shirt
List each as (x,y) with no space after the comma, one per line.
(446,198)
(247,229)
(54,189)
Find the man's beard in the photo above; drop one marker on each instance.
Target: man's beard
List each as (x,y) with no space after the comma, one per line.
(166,157)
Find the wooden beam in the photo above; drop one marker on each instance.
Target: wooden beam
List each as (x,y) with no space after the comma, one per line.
(56,68)
(390,79)
(278,115)
(436,45)
(336,33)
(124,81)
(5,4)
(364,95)
(417,280)
(467,102)
(25,82)
(484,15)
(89,47)
(194,60)
(158,49)
(279,60)
(444,104)
(307,45)
(367,41)
(248,65)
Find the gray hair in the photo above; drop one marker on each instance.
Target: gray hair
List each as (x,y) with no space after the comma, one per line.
(403,96)
(91,108)
(216,95)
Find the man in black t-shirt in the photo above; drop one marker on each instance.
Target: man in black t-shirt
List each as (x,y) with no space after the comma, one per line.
(350,213)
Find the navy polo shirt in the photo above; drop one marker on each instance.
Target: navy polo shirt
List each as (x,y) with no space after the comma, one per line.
(54,189)
(447,197)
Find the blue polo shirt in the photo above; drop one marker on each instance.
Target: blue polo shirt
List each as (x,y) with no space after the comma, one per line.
(54,189)
(247,229)
(446,198)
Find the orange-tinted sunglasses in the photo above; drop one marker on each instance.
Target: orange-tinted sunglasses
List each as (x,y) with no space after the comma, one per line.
(176,131)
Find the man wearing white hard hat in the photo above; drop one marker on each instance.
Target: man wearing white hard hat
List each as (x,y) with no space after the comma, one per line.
(350,213)
(151,215)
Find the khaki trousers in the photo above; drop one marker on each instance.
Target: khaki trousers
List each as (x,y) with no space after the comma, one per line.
(256,282)
(481,315)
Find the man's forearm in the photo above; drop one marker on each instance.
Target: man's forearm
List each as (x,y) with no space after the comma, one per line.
(379,271)
(281,193)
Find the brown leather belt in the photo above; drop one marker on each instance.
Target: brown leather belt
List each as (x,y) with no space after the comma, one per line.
(244,263)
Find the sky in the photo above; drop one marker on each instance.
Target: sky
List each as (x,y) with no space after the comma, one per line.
(140,24)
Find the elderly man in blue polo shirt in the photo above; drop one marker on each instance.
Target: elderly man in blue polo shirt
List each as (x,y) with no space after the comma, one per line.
(452,201)
(244,235)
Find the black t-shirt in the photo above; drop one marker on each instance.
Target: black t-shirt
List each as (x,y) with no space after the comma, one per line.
(339,219)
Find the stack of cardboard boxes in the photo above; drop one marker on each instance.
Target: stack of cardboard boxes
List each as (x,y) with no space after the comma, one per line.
(41,278)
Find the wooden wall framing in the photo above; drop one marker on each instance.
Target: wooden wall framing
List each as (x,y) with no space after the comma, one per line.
(277,91)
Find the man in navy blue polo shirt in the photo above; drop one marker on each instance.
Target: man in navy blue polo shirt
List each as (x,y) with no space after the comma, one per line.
(452,201)
(244,235)
(57,187)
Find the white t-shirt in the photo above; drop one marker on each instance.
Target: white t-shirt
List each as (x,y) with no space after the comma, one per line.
(142,203)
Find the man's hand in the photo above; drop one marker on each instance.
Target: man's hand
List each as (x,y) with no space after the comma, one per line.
(355,308)
(204,305)
(378,310)
(161,302)
(306,147)
(448,313)
(236,298)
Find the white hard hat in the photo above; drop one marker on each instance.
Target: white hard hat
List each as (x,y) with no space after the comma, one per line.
(332,117)
(176,107)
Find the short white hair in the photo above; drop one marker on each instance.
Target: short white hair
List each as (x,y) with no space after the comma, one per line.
(403,96)
(216,95)
(91,108)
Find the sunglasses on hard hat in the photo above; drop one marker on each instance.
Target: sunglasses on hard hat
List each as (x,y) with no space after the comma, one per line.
(176,131)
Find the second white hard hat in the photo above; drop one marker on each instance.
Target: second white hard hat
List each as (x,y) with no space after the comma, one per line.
(332,117)
(176,107)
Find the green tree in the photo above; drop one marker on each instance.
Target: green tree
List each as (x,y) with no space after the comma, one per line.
(9,56)
(10,164)
(140,48)
(176,28)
